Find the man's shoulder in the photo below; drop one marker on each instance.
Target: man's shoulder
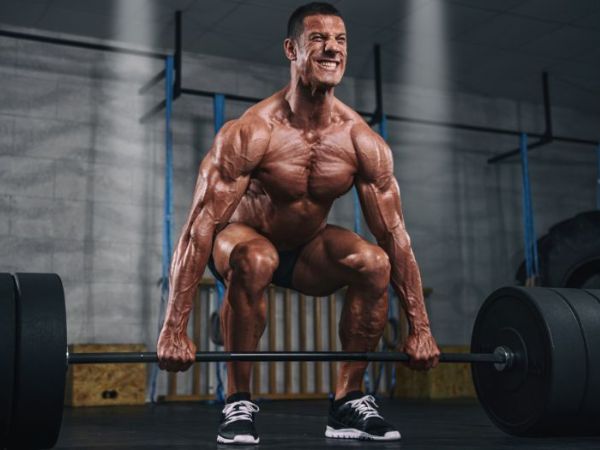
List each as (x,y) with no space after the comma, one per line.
(365,138)
(257,121)
(348,114)
(264,110)
(251,125)
(360,131)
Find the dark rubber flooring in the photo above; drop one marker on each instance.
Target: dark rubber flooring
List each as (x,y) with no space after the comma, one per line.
(294,425)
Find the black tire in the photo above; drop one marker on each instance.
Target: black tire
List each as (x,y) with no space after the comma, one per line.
(569,254)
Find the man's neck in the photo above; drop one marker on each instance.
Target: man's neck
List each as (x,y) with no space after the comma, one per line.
(310,108)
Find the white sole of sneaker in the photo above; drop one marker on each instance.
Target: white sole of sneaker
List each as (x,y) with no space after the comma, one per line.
(353,433)
(241,439)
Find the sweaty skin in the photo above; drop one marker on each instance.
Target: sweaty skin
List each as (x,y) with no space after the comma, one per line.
(268,184)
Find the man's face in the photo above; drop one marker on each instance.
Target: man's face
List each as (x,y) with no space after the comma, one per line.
(320,52)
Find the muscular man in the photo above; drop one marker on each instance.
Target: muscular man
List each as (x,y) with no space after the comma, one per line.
(259,215)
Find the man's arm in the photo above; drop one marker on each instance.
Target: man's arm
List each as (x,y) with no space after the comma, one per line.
(380,199)
(223,179)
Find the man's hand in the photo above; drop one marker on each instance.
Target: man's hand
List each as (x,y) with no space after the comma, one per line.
(422,349)
(176,352)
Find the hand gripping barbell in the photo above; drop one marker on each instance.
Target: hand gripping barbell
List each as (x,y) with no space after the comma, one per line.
(537,355)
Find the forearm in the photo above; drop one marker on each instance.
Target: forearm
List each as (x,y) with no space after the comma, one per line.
(405,279)
(187,268)
(380,199)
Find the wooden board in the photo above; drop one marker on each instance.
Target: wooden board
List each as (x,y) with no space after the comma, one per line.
(445,381)
(106,384)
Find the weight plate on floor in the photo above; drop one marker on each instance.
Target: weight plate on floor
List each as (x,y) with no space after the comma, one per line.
(586,307)
(40,361)
(547,382)
(7,351)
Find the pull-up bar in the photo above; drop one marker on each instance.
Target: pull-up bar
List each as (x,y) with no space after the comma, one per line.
(377,116)
(543,138)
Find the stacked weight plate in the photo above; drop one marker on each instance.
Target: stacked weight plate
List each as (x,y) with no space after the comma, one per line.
(553,388)
(31,412)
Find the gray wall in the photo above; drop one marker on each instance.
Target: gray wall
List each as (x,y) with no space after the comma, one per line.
(81,181)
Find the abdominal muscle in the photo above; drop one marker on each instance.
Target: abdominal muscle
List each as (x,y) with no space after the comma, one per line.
(287,225)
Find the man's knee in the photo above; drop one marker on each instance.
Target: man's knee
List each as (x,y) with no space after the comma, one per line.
(253,263)
(371,267)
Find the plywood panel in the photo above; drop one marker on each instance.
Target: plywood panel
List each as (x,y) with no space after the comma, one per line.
(106,384)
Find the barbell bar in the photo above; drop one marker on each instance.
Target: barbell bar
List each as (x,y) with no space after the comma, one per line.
(501,356)
(536,353)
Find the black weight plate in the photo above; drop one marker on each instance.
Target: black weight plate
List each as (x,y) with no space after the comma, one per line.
(548,378)
(513,399)
(569,362)
(7,351)
(586,306)
(40,361)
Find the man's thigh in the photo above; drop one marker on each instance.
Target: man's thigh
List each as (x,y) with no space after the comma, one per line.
(324,264)
(231,236)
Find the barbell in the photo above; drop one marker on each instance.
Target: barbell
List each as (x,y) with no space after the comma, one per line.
(536,355)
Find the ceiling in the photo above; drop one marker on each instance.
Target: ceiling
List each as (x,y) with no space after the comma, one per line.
(491,47)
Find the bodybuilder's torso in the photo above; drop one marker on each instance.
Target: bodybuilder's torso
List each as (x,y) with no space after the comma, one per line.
(302,172)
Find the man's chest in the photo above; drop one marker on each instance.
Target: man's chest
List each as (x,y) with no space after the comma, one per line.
(317,165)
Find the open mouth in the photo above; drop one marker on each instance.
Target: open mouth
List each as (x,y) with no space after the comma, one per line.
(328,64)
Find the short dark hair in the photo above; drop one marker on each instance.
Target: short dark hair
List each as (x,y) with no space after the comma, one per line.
(295,23)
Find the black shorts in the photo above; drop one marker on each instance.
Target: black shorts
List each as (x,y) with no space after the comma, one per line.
(282,275)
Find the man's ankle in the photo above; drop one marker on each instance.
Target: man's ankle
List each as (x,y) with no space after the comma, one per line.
(350,395)
(238,396)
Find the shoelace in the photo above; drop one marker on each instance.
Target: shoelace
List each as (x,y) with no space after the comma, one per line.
(241,410)
(365,406)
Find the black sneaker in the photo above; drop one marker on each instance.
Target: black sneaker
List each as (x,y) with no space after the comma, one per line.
(356,417)
(237,422)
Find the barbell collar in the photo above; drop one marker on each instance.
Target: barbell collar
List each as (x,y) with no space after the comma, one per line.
(151,357)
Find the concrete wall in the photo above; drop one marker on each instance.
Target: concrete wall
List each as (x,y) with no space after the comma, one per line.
(81,181)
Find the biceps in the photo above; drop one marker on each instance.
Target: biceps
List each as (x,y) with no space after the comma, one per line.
(222,198)
(215,201)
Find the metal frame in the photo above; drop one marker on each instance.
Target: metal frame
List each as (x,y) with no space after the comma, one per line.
(82,44)
(544,138)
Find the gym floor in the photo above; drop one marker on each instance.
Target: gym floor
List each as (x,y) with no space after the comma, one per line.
(294,425)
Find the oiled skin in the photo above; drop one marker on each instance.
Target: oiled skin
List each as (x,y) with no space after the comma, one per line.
(268,184)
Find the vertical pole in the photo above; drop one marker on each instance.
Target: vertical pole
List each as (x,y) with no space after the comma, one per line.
(383,131)
(168,203)
(178,35)
(525,205)
(167,242)
(288,340)
(598,177)
(272,339)
(318,324)
(302,339)
(383,127)
(547,107)
(332,343)
(531,256)
(219,120)
(378,84)
(219,111)
(357,212)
